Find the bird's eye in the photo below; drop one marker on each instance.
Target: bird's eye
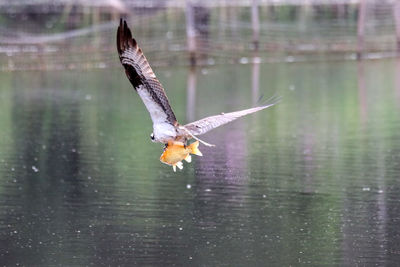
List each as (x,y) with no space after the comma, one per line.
(152,136)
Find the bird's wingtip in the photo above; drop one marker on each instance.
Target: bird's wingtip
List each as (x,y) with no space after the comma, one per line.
(273,100)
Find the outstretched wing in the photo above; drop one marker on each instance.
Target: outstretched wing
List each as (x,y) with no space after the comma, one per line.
(142,77)
(207,124)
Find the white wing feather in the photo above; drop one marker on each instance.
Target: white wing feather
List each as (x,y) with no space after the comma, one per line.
(207,124)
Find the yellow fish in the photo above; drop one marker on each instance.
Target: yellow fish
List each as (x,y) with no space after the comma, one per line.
(175,152)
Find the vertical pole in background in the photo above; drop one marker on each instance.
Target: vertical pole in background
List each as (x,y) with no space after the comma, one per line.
(255,21)
(95,13)
(191,94)
(305,15)
(396,11)
(362,93)
(397,82)
(190,32)
(341,10)
(255,80)
(362,11)
(118,7)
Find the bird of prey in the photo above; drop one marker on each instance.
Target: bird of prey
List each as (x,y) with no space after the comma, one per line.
(166,128)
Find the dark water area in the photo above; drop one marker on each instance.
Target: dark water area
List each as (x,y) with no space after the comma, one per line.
(311,181)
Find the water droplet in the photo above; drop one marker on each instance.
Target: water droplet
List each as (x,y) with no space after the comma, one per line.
(289,59)
(244,60)
(169,34)
(101,65)
(210,61)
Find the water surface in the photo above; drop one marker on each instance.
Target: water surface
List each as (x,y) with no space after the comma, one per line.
(313,180)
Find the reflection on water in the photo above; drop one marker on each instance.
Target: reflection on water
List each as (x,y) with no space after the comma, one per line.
(397,81)
(255,79)
(313,180)
(362,94)
(191,94)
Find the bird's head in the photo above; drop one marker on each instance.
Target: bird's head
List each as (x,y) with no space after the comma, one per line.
(153,139)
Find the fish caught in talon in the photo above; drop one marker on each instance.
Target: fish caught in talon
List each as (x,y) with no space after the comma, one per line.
(166,128)
(176,151)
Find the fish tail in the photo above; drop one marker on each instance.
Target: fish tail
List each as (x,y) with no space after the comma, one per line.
(194,148)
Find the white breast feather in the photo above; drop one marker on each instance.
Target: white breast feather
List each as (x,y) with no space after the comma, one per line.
(162,129)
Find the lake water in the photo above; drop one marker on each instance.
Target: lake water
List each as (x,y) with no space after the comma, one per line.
(312,181)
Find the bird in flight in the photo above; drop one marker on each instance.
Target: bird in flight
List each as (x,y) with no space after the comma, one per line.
(166,128)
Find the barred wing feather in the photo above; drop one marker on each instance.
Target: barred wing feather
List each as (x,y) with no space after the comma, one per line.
(142,77)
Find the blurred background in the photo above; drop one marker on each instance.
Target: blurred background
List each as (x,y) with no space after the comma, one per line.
(313,180)
(46,34)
